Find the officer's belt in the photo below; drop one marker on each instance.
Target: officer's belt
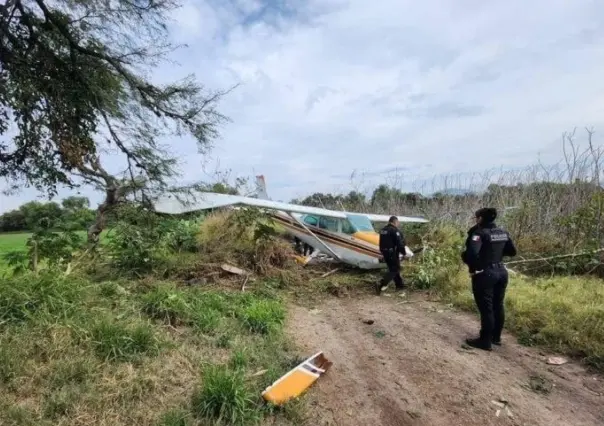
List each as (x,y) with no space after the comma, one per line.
(489,265)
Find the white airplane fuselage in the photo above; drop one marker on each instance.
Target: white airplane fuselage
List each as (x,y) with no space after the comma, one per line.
(354,249)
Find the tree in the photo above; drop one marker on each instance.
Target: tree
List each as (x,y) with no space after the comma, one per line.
(12,221)
(75,203)
(77,213)
(41,215)
(74,80)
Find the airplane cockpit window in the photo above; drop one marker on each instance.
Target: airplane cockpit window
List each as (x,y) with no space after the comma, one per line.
(311,220)
(347,227)
(329,223)
(361,222)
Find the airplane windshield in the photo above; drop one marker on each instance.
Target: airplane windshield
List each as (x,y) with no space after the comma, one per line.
(360,222)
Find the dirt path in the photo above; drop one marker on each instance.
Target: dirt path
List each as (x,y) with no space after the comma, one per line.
(408,368)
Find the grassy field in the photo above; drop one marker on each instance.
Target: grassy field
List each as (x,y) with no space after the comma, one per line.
(77,351)
(81,350)
(562,313)
(115,353)
(10,241)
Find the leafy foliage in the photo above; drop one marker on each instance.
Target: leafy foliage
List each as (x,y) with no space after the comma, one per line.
(73,214)
(440,258)
(55,249)
(141,240)
(72,69)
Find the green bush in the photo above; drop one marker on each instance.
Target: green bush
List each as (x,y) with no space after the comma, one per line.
(441,256)
(142,241)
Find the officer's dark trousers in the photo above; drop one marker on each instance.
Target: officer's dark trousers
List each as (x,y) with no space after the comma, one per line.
(489,293)
(394,270)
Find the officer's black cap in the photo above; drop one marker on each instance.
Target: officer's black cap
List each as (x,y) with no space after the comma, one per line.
(488,214)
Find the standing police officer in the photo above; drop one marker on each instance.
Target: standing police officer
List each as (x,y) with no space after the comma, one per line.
(392,244)
(486,245)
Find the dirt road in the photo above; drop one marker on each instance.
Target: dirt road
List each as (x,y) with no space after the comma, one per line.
(408,368)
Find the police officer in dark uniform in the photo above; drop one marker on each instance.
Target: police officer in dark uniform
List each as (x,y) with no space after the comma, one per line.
(392,244)
(486,245)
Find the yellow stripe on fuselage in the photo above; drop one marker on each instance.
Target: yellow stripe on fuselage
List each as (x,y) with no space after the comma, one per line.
(370,237)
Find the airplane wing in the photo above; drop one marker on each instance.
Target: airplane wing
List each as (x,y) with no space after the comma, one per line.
(169,204)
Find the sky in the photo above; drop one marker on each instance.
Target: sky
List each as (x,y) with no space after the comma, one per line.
(328,88)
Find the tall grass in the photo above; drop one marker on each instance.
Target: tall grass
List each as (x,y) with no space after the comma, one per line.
(225,397)
(565,314)
(113,353)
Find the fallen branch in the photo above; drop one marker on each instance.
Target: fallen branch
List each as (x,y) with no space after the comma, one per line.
(333,271)
(233,269)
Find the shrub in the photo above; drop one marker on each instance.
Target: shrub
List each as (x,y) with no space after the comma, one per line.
(142,241)
(440,258)
(180,235)
(248,238)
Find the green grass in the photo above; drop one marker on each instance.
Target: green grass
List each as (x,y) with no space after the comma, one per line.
(225,397)
(565,314)
(13,241)
(121,353)
(17,241)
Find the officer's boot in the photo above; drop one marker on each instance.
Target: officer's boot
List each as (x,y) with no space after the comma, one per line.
(399,284)
(496,340)
(380,286)
(481,342)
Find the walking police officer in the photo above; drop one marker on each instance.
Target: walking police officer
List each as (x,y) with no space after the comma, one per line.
(392,244)
(486,245)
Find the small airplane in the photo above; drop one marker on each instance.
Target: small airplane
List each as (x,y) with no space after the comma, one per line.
(345,236)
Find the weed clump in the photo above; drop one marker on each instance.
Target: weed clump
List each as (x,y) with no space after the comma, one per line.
(263,316)
(224,397)
(120,341)
(32,295)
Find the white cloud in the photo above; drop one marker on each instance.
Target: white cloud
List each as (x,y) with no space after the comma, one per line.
(332,86)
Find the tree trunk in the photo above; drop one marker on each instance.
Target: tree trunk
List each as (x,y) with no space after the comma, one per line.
(94,231)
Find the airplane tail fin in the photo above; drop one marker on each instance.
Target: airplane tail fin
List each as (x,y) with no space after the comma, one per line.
(261,188)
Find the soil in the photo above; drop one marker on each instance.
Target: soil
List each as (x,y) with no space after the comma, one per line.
(409,367)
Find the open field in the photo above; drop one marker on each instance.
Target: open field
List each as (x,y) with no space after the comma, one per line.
(13,241)
(152,338)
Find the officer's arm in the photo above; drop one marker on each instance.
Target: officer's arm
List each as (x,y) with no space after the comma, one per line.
(464,254)
(400,242)
(473,249)
(510,248)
